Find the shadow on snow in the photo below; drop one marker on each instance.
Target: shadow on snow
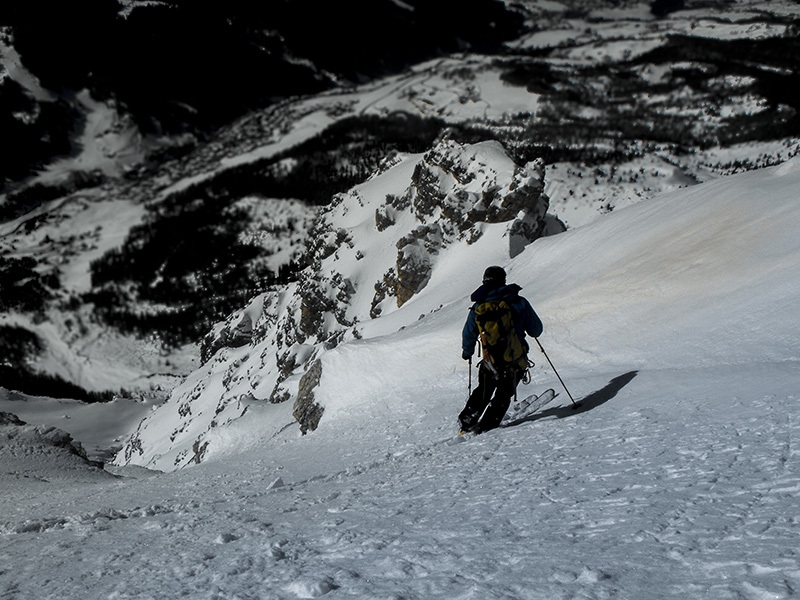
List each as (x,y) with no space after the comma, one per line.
(591,401)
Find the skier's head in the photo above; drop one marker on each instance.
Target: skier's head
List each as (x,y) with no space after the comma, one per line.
(494,277)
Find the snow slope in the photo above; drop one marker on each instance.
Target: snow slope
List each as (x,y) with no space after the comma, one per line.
(676,323)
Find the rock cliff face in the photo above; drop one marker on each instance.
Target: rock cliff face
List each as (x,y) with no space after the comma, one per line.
(371,251)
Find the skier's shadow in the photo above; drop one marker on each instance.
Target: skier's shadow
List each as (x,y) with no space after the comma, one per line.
(593,400)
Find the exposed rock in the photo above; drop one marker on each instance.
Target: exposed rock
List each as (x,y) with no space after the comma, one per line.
(414,261)
(10,419)
(306,410)
(234,335)
(22,446)
(199,449)
(383,289)
(236,331)
(384,218)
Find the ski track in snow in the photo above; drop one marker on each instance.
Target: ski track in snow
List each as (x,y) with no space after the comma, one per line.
(616,499)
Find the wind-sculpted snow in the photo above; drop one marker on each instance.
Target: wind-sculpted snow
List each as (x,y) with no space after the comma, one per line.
(36,457)
(372,251)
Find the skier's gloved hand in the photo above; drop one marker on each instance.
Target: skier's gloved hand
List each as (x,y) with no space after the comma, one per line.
(466,355)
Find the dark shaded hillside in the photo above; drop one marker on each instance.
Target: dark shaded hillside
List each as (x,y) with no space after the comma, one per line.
(187,262)
(185,66)
(712,92)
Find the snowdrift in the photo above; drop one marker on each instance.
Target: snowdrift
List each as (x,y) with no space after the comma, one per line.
(37,457)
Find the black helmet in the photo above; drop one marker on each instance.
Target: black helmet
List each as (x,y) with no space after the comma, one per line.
(494,277)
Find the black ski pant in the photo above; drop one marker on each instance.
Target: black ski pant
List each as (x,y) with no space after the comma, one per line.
(489,401)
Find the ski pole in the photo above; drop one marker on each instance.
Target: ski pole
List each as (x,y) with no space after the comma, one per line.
(470,377)
(574,404)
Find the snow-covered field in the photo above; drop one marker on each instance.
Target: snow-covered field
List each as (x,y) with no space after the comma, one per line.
(675,322)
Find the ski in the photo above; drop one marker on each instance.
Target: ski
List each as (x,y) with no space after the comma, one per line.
(519,412)
(520,408)
(527,407)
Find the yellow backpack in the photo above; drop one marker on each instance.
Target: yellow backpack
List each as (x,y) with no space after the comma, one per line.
(502,348)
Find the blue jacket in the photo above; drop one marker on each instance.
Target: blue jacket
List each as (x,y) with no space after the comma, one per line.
(525,318)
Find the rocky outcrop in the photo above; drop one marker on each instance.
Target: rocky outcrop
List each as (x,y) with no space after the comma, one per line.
(10,419)
(306,410)
(41,452)
(370,252)
(451,193)
(232,335)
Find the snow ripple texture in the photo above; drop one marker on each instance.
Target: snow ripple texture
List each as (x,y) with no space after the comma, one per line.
(633,495)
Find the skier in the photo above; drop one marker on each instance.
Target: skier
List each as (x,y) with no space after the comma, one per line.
(505,357)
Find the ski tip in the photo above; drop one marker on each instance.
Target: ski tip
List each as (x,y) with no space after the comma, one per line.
(456,440)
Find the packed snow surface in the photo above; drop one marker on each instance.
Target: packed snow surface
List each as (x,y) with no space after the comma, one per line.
(674,323)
